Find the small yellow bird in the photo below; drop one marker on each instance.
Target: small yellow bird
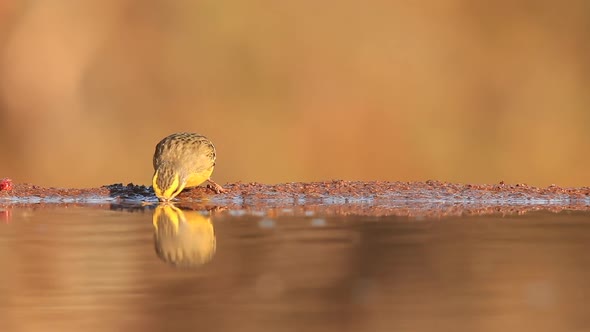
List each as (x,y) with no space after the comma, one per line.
(183,160)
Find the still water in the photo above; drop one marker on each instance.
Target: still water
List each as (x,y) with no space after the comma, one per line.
(100,268)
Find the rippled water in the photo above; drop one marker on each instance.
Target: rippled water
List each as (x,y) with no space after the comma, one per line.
(97,268)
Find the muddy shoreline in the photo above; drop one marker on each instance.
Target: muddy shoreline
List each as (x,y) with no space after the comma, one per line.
(376,198)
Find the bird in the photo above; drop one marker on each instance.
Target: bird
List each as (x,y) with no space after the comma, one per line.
(183,160)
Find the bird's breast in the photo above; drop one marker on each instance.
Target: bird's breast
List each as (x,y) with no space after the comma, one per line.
(197,178)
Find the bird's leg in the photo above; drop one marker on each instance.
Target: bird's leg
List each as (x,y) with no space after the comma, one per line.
(215,187)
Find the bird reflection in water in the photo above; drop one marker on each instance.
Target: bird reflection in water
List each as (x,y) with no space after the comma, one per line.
(183,238)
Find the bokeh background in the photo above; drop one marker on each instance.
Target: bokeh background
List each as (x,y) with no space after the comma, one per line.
(454,90)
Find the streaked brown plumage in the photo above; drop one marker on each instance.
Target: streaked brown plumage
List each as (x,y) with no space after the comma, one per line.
(183,160)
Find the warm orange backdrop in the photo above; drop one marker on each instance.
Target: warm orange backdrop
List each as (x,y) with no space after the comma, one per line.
(456,90)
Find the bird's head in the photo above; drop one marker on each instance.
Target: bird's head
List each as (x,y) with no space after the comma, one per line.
(167,182)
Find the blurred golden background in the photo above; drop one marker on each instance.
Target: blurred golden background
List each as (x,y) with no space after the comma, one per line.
(456,90)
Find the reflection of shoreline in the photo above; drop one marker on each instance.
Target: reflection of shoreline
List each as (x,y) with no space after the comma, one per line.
(6,215)
(183,238)
(402,208)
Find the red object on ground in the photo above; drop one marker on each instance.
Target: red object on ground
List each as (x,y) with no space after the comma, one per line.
(6,184)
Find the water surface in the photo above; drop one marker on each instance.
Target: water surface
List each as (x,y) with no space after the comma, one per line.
(95,268)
